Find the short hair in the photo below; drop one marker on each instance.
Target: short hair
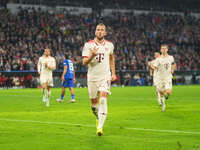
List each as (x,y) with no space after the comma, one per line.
(164,45)
(46,49)
(101,24)
(156,52)
(66,55)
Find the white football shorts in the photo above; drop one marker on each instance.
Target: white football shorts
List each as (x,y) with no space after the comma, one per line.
(96,86)
(46,79)
(164,85)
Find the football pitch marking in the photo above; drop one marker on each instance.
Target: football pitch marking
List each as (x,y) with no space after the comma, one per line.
(86,97)
(85,125)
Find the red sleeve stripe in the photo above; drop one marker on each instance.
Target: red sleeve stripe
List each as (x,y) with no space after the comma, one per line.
(84,56)
(91,41)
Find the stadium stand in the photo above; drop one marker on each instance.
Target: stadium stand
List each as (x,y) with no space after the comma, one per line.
(24,35)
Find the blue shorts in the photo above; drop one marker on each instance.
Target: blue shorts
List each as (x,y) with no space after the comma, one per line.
(68,83)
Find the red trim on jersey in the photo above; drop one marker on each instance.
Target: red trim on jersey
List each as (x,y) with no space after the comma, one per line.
(91,41)
(99,43)
(84,56)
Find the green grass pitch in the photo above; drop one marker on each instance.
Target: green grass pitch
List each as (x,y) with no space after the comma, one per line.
(134,121)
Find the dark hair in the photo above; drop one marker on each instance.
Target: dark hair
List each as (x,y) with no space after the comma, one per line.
(66,55)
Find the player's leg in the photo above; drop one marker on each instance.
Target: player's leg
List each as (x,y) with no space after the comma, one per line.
(161,89)
(49,85)
(64,85)
(167,93)
(168,89)
(44,91)
(158,97)
(104,90)
(95,107)
(48,96)
(62,95)
(102,113)
(71,89)
(162,101)
(93,94)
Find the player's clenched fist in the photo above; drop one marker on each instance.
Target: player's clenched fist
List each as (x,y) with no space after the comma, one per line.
(94,51)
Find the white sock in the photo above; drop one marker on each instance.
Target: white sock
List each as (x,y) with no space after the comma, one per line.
(102,111)
(162,98)
(159,98)
(163,103)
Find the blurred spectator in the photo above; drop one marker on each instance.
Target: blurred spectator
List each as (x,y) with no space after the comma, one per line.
(29,81)
(127,79)
(3,81)
(16,81)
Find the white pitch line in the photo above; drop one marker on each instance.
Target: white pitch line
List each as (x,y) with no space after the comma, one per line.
(85,125)
(124,98)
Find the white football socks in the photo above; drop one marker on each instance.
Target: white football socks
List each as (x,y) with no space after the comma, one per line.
(163,103)
(48,93)
(102,111)
(159,98)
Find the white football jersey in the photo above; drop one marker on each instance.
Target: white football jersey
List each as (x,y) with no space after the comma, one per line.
(99,67)
(44,71)
(164,67)
(154,71)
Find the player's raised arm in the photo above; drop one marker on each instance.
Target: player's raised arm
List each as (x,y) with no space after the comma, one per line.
(52,65)
(86,60)
(153,67)
(150,68)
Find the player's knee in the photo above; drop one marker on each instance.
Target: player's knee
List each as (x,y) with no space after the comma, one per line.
(103,100)
(94,101)
(71,89)
(44,85)
(103,94)
(168,92)
(161,93)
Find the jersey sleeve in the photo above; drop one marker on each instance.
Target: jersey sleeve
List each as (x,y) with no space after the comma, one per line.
(111,48)
(172,59)
(39,65)
(155,63)
(53,62)
(86,50)
(65,63)
(152,62)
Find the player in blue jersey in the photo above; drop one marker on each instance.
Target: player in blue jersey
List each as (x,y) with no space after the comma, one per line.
(68,78)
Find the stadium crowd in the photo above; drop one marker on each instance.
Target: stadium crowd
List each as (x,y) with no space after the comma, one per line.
(23,37)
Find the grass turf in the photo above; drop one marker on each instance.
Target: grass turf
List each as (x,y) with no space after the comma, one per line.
(134,121)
